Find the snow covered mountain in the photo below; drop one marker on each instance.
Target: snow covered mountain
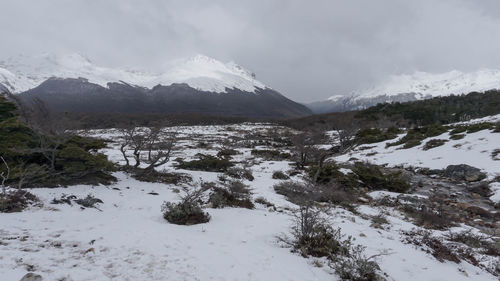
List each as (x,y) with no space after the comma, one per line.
(417,86)
(199,84)
(22,73)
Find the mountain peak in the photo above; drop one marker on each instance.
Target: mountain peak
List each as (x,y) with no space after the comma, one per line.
(425,84)
(201,72)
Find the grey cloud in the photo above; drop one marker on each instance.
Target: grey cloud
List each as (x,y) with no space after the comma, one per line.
(308,50)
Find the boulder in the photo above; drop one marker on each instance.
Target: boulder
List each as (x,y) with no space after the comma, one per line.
(464,172)
(31,277)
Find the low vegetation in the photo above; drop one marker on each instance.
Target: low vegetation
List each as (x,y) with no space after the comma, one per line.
(16,200)
(373,177)
(206,163)
(188,211)
(240,173)
(434,143)
(279,175)
(39,151)
(374,135)
(415,136)
(313,236)
(268,154)
(233,193)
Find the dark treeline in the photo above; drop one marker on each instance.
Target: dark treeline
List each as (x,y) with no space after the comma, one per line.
(439,110)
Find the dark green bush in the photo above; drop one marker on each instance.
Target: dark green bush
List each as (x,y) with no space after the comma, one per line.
(231,194)
(415,136)
(271,154)
(328,173)
(73,159)
(152,175)
(279,175)
(497,128)
(227,153)
(374,135)
(457,137)
(188,211)
(458,130)
(373,178)
(184,213)
(207,163)
(479,127)
(434,143)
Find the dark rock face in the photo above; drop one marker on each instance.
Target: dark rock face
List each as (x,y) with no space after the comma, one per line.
(464,172)
(78,95)
(31,277)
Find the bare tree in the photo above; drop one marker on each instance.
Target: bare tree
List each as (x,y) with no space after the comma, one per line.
(157,145)
(52,132)
(4,175)
(29,173)
(159,148)
(305,145)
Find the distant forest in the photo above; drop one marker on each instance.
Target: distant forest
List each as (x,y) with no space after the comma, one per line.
(439,110)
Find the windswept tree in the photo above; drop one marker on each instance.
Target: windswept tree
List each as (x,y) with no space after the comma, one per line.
(150,146)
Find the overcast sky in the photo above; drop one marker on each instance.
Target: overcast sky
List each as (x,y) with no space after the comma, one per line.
(308,50)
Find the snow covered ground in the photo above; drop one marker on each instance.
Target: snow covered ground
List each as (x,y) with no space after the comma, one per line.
(128,239)
(475,149)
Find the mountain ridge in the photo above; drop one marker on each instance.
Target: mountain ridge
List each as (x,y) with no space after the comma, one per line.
(412,87)
(21,73)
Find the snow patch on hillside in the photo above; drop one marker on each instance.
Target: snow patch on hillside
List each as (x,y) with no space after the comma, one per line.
(475,149)
(426,84)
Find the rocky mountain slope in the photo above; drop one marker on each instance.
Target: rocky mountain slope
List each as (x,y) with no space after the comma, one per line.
(197,85)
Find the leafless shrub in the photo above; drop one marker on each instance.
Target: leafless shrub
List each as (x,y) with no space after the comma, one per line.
(4,175)
(16,201)
(296,192)
(265,202)
(356,266)
(240,173)
(430,244)
(156,145)
(428,217)
(312,236)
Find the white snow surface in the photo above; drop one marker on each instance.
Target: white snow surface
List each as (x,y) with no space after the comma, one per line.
(425,84)
(475,149)
(128,239)
(21,73)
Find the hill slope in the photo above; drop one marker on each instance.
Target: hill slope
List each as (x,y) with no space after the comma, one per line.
(197,85)
(417,86)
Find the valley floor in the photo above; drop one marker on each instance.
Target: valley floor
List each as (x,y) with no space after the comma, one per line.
(126,237)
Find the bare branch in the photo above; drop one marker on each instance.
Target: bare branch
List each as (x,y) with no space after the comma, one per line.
(4,176)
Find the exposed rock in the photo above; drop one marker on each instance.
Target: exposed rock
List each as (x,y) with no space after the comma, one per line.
(481,188)
(31,277)
(464,172)
(474,210)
